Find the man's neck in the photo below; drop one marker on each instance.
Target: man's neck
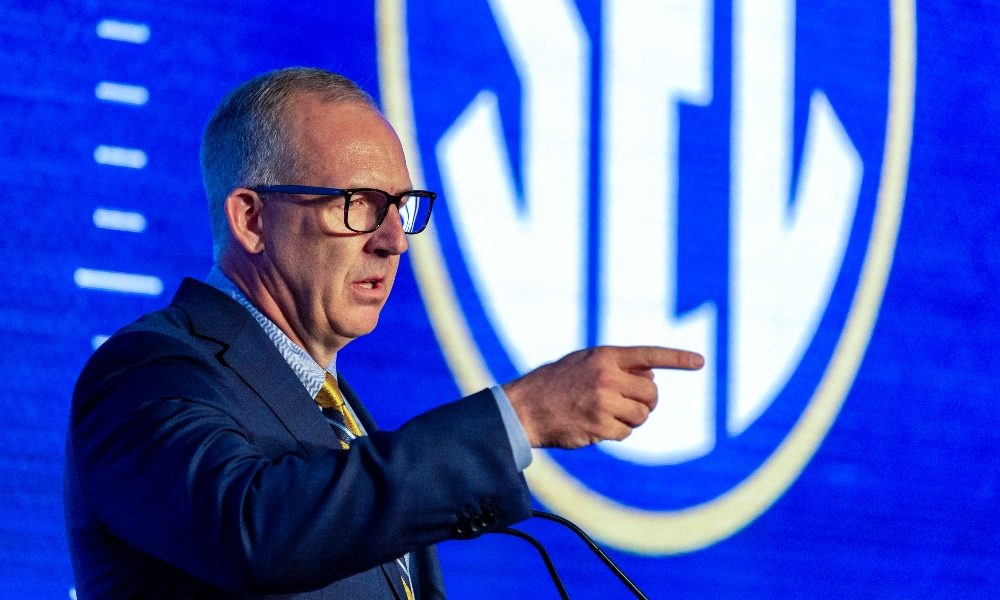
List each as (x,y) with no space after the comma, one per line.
(262,296)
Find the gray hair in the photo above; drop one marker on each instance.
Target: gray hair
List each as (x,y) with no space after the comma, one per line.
(246,143)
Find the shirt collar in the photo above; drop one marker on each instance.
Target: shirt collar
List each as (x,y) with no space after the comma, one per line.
(309,372)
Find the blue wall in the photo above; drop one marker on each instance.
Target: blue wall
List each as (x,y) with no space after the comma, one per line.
(899,499)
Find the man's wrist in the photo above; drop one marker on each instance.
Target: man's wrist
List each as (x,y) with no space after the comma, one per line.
(519,444)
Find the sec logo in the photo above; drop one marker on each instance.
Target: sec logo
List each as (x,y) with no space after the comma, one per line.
(722,177)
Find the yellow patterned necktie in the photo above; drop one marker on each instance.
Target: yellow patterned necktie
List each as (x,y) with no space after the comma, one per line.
(329,397)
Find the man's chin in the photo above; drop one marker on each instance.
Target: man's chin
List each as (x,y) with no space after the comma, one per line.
(355,329)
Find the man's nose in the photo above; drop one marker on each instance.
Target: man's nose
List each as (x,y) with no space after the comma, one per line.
(389,238)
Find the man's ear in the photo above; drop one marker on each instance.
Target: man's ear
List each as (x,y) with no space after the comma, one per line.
(243,211)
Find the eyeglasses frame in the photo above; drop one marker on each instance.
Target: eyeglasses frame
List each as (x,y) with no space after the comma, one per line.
(391,199)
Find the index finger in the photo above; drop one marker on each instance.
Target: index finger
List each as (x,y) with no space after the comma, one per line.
(658,357)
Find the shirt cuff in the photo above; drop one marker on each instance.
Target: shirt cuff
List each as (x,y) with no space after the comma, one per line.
(519,444)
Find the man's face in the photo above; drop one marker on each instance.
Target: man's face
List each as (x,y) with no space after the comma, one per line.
(335,282)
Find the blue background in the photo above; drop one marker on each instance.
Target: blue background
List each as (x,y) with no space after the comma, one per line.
(900,500)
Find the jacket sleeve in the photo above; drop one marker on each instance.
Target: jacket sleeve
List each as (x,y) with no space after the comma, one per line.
(171,466)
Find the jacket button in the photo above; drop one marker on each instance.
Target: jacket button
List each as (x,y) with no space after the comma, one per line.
(484,521)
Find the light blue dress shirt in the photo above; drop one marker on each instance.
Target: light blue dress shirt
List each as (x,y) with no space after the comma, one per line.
(312,374)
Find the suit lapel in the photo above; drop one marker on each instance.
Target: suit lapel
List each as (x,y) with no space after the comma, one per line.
(251,355)
(392,575)
(267,373)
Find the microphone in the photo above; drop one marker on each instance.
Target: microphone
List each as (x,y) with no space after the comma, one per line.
(610,564)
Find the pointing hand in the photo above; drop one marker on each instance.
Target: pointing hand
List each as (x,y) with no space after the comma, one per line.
(592,395)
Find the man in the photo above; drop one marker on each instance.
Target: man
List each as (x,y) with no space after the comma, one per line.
(199,464)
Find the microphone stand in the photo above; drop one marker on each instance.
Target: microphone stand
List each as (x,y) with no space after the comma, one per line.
(545,558)
(594,548)
(610,564)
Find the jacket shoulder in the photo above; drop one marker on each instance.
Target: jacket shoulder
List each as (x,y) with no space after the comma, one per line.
(166,338)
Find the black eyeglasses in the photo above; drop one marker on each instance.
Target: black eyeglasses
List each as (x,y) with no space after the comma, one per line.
(365,208)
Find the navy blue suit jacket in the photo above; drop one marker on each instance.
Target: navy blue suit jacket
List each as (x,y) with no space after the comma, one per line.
(199,467)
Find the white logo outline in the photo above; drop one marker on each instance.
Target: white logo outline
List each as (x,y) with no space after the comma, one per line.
(688,529)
